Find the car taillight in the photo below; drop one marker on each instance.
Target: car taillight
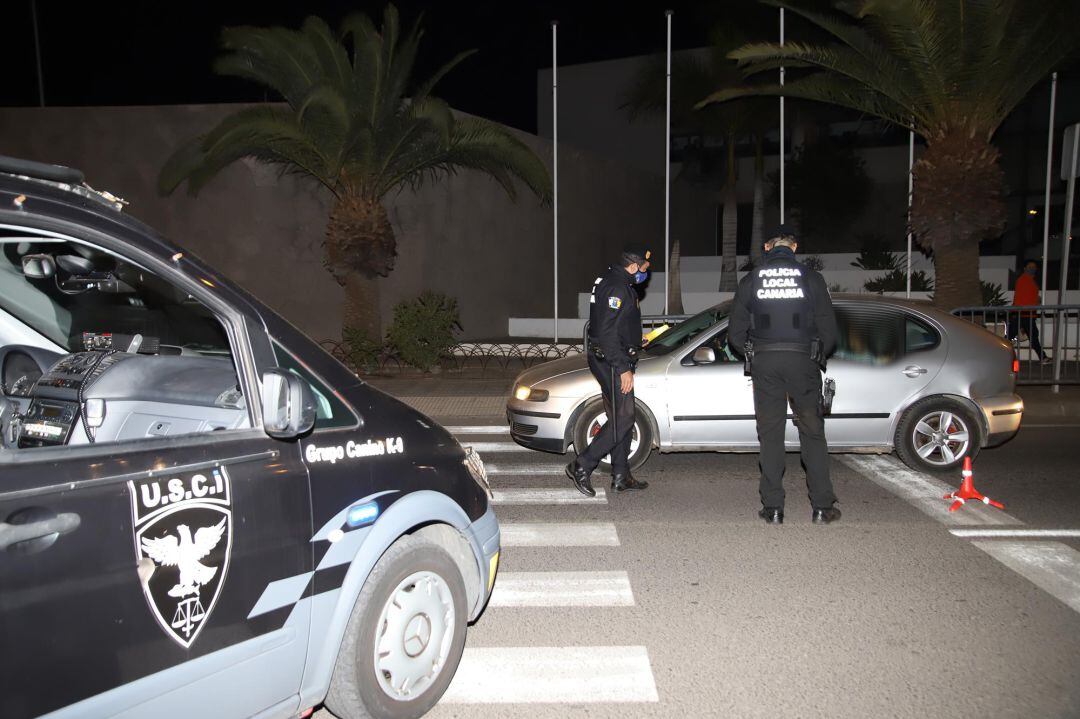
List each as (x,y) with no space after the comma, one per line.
(1016,366)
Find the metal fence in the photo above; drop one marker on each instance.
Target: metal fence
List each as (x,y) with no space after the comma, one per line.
(1046,339)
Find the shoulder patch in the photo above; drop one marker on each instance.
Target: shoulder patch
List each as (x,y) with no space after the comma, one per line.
(614,303)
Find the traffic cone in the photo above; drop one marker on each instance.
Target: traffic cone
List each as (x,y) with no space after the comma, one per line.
(967,490)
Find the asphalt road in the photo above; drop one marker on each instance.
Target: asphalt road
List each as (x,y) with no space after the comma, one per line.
(698,609)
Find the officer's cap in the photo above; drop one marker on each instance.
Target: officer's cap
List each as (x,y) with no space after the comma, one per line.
(634,255)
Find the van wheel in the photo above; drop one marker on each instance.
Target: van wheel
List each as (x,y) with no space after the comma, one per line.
(935,434)
(593,417)
(405,636)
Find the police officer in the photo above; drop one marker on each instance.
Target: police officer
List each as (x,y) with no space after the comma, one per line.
(613,343)
(784,309)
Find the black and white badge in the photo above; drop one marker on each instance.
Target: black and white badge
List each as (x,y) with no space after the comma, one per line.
(183,540)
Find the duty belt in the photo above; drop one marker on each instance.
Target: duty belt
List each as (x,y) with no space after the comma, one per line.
(782,347)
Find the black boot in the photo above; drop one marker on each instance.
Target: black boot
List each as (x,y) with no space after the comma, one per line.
(772,515)
(580,478)
(825,515)
(625,482)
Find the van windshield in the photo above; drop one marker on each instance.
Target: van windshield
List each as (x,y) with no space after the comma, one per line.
(687,330)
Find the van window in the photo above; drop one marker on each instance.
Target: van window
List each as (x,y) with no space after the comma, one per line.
(330,410)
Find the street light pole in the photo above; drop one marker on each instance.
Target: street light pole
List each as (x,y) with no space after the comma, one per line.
(37,54)
(667,174)
(1049,171)
(783,185)
(555,169)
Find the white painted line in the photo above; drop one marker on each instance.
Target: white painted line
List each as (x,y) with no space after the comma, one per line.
(1051,566)
(924,492)
(1015,533)
(550,675)
(562,589)
(530,470)
(554,534)
(478,429)
(546,496)
(496,447)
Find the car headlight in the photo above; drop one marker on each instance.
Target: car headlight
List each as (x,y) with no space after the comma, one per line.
(528,393)
(475,465)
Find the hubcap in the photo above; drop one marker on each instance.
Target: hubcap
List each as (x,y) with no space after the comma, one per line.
(594,429)
(414,635)
(940,438)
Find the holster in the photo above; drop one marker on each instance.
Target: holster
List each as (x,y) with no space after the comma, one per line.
(817,353)
(748,358)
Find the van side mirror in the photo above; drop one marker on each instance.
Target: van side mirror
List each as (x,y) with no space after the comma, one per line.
(288,404)
(38,267)
(704,355)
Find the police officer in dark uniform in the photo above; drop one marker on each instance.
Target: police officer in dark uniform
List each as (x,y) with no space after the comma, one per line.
(614,341)
(783,321)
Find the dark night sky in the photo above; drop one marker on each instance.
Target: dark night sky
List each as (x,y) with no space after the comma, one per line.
(147,52)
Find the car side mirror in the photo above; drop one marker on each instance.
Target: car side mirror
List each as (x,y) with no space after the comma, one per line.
(288,404)
(38,267)
(704,355)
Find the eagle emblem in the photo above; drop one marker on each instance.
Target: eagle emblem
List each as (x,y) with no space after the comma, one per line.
(183,541)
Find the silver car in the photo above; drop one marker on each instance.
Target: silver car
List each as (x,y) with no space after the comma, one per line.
(909,378)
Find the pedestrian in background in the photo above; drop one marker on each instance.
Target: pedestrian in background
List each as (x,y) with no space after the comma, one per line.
(1026,294)
(783,321)
(614,342)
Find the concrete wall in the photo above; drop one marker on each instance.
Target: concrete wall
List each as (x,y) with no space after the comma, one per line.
(462,236)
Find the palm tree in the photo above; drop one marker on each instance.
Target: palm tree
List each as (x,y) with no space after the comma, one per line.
(351,124)
(950,69)
(693,78)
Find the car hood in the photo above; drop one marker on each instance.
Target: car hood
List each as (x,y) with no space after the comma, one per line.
(544,374)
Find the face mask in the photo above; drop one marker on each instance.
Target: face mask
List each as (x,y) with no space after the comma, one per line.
(1030,271)
(640,277)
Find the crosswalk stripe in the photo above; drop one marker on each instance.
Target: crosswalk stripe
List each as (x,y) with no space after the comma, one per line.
(562,589)
(923,491)
(497,447)
(1015,533)
(524,469)
(1052,566)
(546,496)
(478,429)
(523,675)
(556,534)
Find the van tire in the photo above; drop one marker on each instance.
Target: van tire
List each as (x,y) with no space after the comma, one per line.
(360,689)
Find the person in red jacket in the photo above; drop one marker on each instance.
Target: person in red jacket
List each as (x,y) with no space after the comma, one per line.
(1026,294)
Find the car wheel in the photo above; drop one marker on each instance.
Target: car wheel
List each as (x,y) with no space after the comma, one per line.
(405,636)
(593,418)
(936,434)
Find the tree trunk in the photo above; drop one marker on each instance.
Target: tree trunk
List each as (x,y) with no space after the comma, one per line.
(957,202)
(674,273)
(757,229)
(729,280)
(360,247)
(362,306)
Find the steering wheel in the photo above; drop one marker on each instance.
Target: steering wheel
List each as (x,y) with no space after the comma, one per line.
(8,412)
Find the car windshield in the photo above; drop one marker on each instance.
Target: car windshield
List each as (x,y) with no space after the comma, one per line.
(88,290)
(687,330)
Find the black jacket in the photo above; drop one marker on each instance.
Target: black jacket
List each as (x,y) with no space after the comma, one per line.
(817,305)
(615,318)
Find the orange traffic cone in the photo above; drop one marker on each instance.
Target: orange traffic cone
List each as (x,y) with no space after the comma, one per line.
(967,490)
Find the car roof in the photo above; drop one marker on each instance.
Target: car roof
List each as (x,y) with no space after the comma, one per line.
(59,177)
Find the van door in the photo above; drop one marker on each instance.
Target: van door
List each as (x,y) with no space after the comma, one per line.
(160,570)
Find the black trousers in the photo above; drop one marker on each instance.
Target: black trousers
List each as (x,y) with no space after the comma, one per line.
(779,376)
(619,407)
(1030,325)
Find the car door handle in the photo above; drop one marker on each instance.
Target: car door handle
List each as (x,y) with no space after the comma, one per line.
(60,524)
(914,370)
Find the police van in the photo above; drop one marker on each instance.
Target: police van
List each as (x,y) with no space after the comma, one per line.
(201,512)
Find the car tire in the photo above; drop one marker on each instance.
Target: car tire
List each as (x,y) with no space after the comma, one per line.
(385,614)
(936,433)
(589,422)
